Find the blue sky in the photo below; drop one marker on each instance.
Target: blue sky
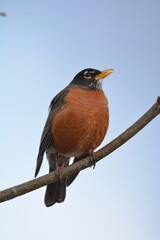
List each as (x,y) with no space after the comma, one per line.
(43,45)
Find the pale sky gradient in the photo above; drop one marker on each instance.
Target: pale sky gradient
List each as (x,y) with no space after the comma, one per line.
(43,44)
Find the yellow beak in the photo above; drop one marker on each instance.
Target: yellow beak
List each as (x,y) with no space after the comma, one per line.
(103,74)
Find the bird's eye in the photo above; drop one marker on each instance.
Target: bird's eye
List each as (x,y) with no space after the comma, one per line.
(87,74)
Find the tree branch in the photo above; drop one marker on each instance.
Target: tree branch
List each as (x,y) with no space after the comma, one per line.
(84,163)
(3,14)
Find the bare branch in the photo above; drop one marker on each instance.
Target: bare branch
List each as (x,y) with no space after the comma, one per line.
(84,163)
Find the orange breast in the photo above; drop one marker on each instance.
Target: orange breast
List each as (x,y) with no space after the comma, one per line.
(82,123)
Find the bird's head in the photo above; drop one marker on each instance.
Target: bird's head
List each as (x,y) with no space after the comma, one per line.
(90,78)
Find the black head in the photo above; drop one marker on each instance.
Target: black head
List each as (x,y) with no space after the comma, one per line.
(90,78)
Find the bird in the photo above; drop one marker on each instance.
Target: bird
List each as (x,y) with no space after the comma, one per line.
(77,123)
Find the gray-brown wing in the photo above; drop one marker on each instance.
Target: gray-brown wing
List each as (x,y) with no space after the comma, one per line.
(47,138)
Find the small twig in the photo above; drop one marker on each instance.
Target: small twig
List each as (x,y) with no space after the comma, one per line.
(84,163)
(3,14)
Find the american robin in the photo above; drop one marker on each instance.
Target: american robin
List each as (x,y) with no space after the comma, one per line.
(77,124)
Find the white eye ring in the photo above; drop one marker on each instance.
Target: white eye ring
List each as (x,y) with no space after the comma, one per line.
(87,75)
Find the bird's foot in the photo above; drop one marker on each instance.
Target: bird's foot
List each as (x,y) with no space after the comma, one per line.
(93,158)
(58,171)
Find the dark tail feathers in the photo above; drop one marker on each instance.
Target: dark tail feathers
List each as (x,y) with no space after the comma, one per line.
(55,192)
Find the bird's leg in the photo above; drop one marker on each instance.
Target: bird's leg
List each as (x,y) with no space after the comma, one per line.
(93,157)
(59,165)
